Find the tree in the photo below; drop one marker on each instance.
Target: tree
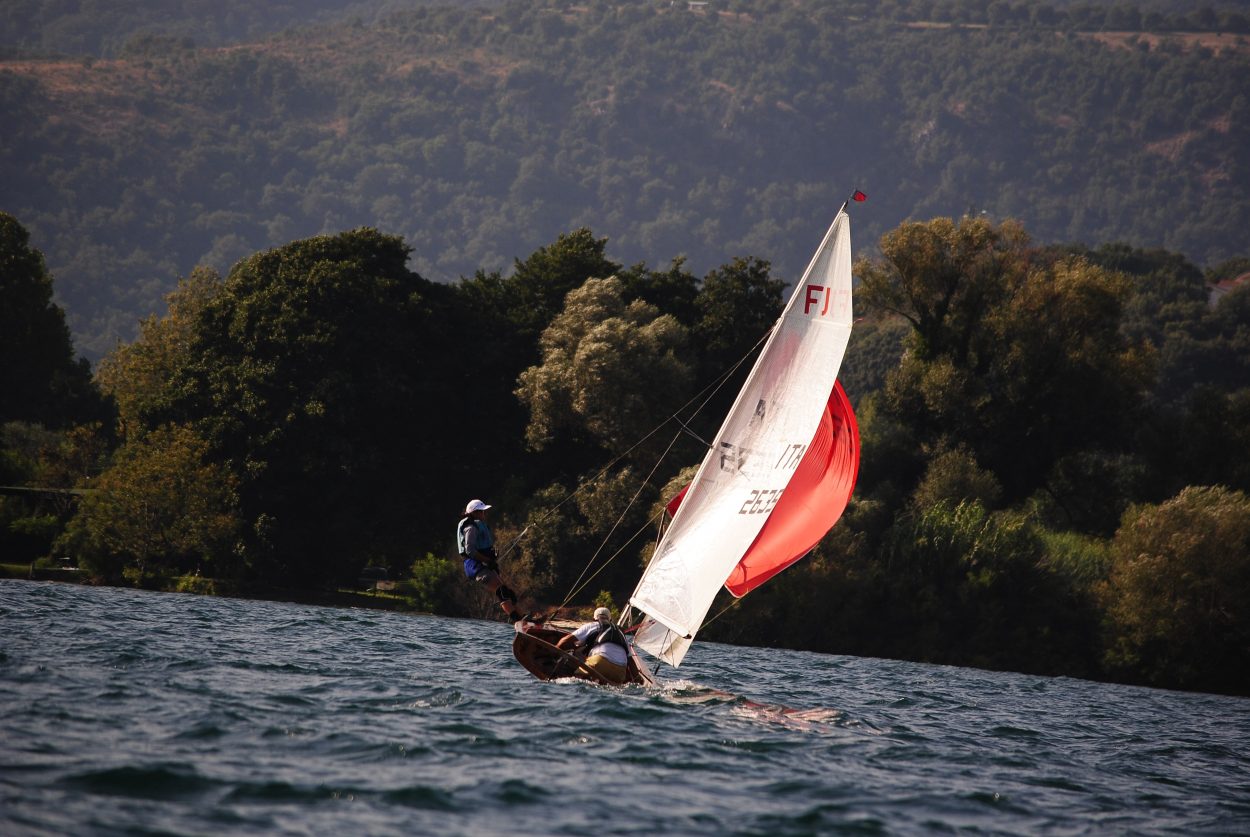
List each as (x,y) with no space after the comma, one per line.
(53,421)
(1177,591)
(555,548)
(955,476)
(943,277)
(31,454)
(1061,376)
(40,380)
(610,372)
(534,293)
(320,376)
(434,583)
(1212,447)
(672,291)
(138,375)
(160,508)
(877,345)
(500,320)
(971,588)
(1168,309)
(738,305)
(1013,355)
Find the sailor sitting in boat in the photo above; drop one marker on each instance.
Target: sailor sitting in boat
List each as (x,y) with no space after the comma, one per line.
(609,654)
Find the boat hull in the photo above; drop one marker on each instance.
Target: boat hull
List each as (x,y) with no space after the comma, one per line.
(535,647)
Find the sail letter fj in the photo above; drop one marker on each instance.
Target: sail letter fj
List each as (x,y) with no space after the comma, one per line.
(759,448)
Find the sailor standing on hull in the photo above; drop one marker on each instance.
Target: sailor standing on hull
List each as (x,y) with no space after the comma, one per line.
(476,544)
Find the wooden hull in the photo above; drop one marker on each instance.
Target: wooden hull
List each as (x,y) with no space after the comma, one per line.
(535,648)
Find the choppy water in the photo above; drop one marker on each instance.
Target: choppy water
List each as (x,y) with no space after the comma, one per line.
(124,712)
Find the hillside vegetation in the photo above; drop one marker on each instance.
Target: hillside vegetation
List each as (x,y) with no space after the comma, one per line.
(480,133)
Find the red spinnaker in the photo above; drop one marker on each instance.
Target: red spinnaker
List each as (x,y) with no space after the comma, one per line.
(814,500)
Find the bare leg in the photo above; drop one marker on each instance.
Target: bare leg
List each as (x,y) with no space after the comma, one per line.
(507,598)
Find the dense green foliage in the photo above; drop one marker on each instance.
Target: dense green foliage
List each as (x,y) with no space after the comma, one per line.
(316,376)
(161,506)
(480,132)
(134,27)
(1034,421)
(1177,590)
(52,419)
(40,379)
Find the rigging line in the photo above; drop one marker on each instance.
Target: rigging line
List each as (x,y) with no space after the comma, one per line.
(612,557)
(723,611)
(720,382)
(547,515)
(646,480)
(714,386)
(723,379)
(706,393)
(692,434)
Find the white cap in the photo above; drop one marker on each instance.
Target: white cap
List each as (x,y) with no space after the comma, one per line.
(475,505)
(602,614)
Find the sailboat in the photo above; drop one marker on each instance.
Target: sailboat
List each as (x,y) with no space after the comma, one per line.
(777,477)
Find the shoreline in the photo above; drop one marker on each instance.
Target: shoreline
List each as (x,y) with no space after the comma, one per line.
(322,598)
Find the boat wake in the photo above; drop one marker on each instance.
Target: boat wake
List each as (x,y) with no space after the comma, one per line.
(815,719)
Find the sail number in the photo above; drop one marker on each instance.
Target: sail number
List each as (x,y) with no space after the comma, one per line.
(761,501)
(791,456)
(734,459)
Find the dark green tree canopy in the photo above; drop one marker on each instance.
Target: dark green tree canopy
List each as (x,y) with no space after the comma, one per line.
(738,304)
(40,380)
(324,407)
(140,375)
(611,371)
(1015,355)
(536,289)
(317,373)
(1177,588)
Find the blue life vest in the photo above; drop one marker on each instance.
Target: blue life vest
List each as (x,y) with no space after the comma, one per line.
(485,542)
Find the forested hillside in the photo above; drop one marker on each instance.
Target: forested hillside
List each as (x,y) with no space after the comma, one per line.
(104,27)
(481,132)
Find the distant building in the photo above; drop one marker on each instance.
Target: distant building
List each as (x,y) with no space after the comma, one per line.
(1217,291)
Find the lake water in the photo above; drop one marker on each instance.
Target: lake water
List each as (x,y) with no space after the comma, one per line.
(125,712)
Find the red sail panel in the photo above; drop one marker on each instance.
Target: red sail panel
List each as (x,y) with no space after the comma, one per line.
(813,501)
(674,503)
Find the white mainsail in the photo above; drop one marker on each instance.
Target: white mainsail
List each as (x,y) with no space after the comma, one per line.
(753,456)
